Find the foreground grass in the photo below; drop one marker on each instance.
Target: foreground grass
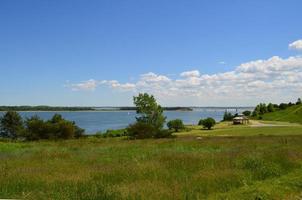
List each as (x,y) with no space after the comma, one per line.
(266,164)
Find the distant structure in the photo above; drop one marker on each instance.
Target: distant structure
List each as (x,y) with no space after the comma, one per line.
(240,119)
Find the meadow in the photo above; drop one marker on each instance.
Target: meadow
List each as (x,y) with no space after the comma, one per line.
(226,163)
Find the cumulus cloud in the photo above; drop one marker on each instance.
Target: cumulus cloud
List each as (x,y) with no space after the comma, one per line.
(260,80)
(194,73)
(88,85)
(296,45)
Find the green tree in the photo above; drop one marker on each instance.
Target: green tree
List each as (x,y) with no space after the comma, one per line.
(148,109)
(247,113)
(208,123)
(11,125)
(175,124)
(227,116)
(270,107)
(299,101)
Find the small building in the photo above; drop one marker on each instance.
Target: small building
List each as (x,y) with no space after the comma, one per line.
(240,119)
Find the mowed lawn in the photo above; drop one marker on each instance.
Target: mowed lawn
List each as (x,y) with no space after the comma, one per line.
(226,163)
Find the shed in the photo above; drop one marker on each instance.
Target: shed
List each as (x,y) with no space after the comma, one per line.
(240,119)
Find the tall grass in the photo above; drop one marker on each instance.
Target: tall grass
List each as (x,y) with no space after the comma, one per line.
(180,168)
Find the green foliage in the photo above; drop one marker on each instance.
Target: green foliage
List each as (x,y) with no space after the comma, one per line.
(55,128)
(11,125)
(114,133)
(227,116)
(150,112)
(175,124)
(247,113)
(299,101)
(270,107)
(141,130)
(151,119)
(207,123)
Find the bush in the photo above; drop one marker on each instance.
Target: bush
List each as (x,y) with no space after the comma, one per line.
(11,125)
(55,128)
(114,133)
(176,124)
(207,123)
(163,134)
(247,113)
(141,130)
(228,116)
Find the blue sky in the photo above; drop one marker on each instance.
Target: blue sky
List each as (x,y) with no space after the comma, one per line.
(98,53)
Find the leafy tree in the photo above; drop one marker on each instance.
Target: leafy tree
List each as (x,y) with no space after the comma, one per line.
(200,122)
(228,116)
(150,112)
(270,107)
(283,106)
(35,129)
(299,101)
(247,113)
(208,123)
(11,125)
(176,124)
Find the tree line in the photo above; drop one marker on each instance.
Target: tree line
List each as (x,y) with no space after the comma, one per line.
(149,124)
(34,128)
(262,108)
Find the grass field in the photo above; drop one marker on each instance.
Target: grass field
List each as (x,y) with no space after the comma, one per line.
(226,163)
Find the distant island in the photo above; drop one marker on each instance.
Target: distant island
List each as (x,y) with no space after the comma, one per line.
(79,108)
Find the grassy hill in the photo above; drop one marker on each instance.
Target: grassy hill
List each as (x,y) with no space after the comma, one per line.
(292,114)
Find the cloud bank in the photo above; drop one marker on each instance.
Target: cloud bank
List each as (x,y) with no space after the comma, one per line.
(273,79)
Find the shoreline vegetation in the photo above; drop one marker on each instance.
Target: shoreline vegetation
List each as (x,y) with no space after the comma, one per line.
(102,109)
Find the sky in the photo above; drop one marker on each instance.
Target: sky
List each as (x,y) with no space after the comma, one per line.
(185,53)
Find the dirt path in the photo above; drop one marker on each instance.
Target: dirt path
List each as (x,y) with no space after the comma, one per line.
(254,123)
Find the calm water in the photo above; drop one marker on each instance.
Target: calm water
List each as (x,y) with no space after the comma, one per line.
(101,121)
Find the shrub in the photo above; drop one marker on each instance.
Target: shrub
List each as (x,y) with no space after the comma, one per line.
(114,133)
(247,113)
(55,128)
(163,134)
(208,123)
(11,125)
(175,124)
(227,116)
(141,130)
(299,101)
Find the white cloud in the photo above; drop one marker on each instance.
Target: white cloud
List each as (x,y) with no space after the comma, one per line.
(89,85)
(274,79)
(194,73)
(296,45)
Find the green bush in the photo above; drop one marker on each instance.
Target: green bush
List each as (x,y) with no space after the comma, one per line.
(207,123)
(176,124)
(11,125)
(228,116)
(55,128)
(141,130)
(114,133)
(247,113)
